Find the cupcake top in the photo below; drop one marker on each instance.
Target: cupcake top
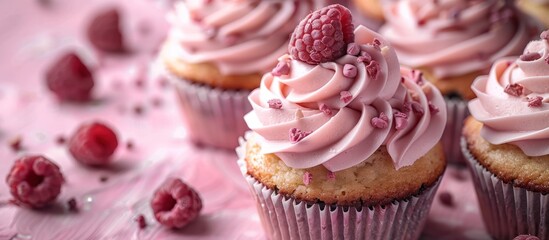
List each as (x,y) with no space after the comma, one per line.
(453,38)
(512,101)
(237,36)
(326,106)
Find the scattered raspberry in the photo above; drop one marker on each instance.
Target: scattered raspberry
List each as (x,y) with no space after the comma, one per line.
(528,57)
(69,79)
(275,103)
(323,35)
(349,70)
(307,178)
(345,96)
(514,89)
(104,31)
(535,101)
(73,206)
(34,181)
(15,144)
(526,237)
(141,221)
(297,135)
(93,144)
(446,199)
(175,204)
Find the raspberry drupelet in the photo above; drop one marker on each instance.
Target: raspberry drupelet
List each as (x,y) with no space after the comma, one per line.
(175,204)
(34,181)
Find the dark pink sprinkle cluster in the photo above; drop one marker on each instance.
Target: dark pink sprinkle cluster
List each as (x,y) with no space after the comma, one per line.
(535,101)
(307,178)
(175,204)
(15,144)
(323,35)
(326,110)
(526,237)
(401,120)
(514,89)
(275,103)
(528,57)
(373,70)
(381,122)
(297,135)
(417,77)
(70,79)
(282,68)
(345,96)
(349,70)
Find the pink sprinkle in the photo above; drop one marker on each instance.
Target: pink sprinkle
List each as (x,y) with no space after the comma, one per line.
(345,96)
(307,178)
(275,103)
(60,140)
(297,135)
(528,57)
(380,122)
(331,175)
(535,101)
(282,68)
(418,77)
(141,221)
(138,109)
(353,49)
(15,144)
(446,199)
(401,120)
(545,35)
(130,145)
(432,108)
(73,207)
(421,22)
(514,89)
(373,70)
(326,110)
(349,71)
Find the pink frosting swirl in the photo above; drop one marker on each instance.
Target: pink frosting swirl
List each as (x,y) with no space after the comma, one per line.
(323,117)
(238,36)
(452,37)
(512,101)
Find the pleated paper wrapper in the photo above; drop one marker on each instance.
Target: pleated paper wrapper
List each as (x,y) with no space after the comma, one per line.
(457,111)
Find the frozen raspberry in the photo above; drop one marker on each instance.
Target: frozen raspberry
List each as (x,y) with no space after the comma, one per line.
(34,181)
(323,35)
(175,204)
(93,144)
(104,31)
(69,79)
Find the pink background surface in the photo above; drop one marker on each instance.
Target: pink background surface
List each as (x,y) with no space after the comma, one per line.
(32,35)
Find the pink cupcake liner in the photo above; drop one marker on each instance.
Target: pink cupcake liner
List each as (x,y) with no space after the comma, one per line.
(286,218)
(212,116)
(507,210)
(457,112)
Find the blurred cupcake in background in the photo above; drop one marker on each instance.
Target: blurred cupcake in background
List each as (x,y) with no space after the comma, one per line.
(538,9)
(370,8)
(344,143)
(217,51)
(453,42)
(506,143)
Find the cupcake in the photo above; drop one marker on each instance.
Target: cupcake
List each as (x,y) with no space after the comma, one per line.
(370,8)
(453,42)
(538,9)
(506,143)
(344,143)
(217,51)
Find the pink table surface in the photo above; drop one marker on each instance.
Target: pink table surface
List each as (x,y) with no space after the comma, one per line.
(32,35)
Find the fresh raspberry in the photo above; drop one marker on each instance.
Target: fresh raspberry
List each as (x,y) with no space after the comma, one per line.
(323,35)
(69,79)
(34,181)
(93,144)
(104,31)
(175,204)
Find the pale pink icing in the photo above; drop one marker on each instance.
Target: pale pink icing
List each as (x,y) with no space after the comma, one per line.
(239,37)
(346,137)
(509,119)
(452,37)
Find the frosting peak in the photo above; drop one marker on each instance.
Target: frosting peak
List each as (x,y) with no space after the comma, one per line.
(329,115)
(453,38)
(512,101)
(239,37)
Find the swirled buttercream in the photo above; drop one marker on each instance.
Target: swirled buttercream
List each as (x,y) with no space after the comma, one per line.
(318,115)
(238,36)
(452,38)
(512,101)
